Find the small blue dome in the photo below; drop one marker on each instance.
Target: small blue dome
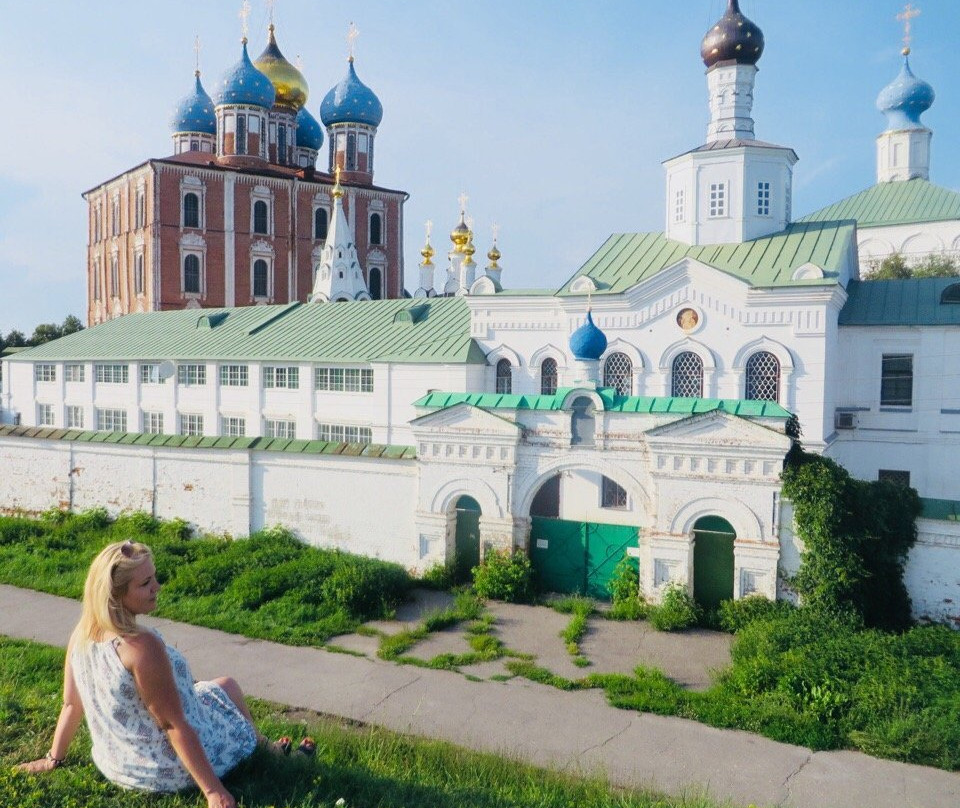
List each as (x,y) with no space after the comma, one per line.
(309,131)
(588,341)
(905,99)
(244,84)
(194,112)
(351,101)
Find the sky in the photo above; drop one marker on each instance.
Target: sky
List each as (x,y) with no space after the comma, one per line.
(552,116)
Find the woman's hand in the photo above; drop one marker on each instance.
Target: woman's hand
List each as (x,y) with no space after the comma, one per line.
(38,766)
(220,798)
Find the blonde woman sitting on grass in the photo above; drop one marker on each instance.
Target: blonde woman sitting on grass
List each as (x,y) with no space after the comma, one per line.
(153,728)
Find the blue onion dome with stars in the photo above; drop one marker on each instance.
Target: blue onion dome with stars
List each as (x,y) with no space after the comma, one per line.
(309,131)
(194,112)
(733,38)
(588,342)
(244,84)
(905,99)
(351,101)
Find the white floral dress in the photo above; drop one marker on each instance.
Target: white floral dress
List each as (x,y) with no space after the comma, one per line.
(129,748)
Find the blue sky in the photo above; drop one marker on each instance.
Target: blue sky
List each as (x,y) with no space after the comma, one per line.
(553,117)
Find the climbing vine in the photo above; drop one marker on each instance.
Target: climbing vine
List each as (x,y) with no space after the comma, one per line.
(856,537)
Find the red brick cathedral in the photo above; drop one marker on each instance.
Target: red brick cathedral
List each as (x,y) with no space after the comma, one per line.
(239,214)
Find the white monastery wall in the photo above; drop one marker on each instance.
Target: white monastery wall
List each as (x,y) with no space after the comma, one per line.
(913,241)
(932,574)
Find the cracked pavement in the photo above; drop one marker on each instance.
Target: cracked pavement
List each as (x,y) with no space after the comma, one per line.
(573,731)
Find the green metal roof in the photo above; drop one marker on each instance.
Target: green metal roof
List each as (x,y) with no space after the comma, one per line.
(946,510)
(891,203)
(915,301)
(612,403)
(626,259)
(429,331)
(374,450)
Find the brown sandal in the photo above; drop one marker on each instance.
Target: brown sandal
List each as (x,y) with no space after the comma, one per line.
(307,747)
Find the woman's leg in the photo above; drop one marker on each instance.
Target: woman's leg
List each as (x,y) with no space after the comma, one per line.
(232,689)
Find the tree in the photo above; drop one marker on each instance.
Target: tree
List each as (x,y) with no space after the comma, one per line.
(41,334)
(895,267)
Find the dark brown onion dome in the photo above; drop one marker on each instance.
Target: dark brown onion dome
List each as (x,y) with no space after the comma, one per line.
(733,39)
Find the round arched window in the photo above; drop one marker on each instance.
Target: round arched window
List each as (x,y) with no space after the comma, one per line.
(687,376)
(762,377)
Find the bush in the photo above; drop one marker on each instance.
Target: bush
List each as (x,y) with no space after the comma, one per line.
(677,609)
(176,530)
(439,576)
(624,588)
(735,614)
(137,523)
(366,588)
(505,575)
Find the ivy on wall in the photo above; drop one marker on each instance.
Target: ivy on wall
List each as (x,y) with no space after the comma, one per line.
(856,536)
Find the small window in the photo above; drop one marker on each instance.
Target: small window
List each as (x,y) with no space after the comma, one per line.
(951,294)
(74,417)
(687,376)
(618,373)
(115,276)
(240,146)
(191,210)
(150,374)
(894,476)
(74,373)
(281,377)
(613,496)
(320,224)
(896,382)
(234,375)
(340,380)
(192,375)
(679,206)
(138,274)
(153,423)
(548,377)
(191,275)
(260,212)
(504,377)
(351,152)
(376,292)
(583,422)
(342,433)
(763,199)
(233,426)
(376,229)
(718,199)
(45,373)
(45,415)
(280,429)
(282,144)
(112,374)
(260,287)
(191,424)
(111,420)
(762,377)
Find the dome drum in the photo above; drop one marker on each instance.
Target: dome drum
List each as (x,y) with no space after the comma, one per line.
(351,149)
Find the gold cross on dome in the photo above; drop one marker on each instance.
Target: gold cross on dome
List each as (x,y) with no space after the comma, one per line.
(907,16)
(270,5)
(245,17)
(352,33)
(196,51)
(429,226)
(496,231)
(463,199)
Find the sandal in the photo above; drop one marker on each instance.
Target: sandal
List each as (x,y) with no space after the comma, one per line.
(283,745)
(307,747)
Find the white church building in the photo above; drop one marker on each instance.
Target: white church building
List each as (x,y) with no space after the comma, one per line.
(639,409)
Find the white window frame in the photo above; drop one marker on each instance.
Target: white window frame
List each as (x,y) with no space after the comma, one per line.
(717,200)
(74,417)
(192,375)
(679,206)
(343,380)
(45,372)
(344,433)
(46,415)
(233,426)
(153,423)
(190,423)
(74,372)
(279,428)
(110,419)
(234,375)
(115,373)
(281,377)
(261,194)
(150,373)
(763,198)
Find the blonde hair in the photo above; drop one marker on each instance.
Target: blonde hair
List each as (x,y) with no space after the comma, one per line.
(107,581)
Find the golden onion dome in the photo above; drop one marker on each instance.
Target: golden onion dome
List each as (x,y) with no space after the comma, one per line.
(460,234)
(427,252)
(468,248)
(290,85)
(494,255)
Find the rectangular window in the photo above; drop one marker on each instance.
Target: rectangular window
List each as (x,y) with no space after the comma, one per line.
(45,373)
(340,380)
(116,216)
(112,374)
(233,375)
(894,476)
(191,424)
(896,381)
(111,420)
(233,427)
(45,415)
(763,199)
(280,429)
(74,418)
(115,276)
(718,199)
(613,495)
(241,136)
(150,374)
(679,212)
(342,433)
(153,423)
(285,377)
(138,278)
(192,375)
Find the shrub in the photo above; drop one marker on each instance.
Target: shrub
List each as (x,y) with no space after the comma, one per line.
(624,588)
(735,614)
(505,575)
(439,576)
(677,609)
(176,530)
(366,588)
(137,523)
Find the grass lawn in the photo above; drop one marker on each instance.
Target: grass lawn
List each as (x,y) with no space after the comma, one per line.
(364,766)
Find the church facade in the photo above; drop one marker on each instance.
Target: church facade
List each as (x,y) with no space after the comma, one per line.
(639,410)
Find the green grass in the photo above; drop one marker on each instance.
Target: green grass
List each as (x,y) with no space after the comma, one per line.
(580,608)
(365,766)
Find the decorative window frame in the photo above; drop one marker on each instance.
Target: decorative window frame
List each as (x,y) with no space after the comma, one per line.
(260,193)
(633,354)
(140,204)
(787,393)
(707,356)
(115,214)
(722,191)
(320,201)
(494,357)
(191,184)
(261,250)
(193,244)
(377,208)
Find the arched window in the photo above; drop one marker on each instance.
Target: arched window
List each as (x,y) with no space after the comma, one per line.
(281,144)
(260,216)
(191,274)
(115,276)
(583,423)
(376,283)
(351,152)
(763,377)
(504,376)
(687,376)
(320,224)
(618,373)
(240,147)
(548,377)
(260,278)
(191,210)
(376,229)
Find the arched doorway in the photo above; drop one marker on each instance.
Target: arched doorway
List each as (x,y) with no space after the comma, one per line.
(713,538)
(467,544)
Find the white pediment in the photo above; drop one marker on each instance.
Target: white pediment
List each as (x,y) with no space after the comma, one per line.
(718,428)
(465,418)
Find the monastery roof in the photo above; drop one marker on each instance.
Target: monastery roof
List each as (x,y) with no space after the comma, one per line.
(915,301)
(612,402)
(892,203)
(414,331)
(735,143)
(626,259)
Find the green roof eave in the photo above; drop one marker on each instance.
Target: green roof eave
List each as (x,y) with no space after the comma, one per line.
(907,302)
(893,203)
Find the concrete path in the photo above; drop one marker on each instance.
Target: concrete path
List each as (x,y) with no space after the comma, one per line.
(576,732)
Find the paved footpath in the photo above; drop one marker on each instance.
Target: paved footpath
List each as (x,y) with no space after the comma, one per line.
(574,732)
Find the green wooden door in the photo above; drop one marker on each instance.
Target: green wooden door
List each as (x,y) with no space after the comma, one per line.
(712,561)
(467,537)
